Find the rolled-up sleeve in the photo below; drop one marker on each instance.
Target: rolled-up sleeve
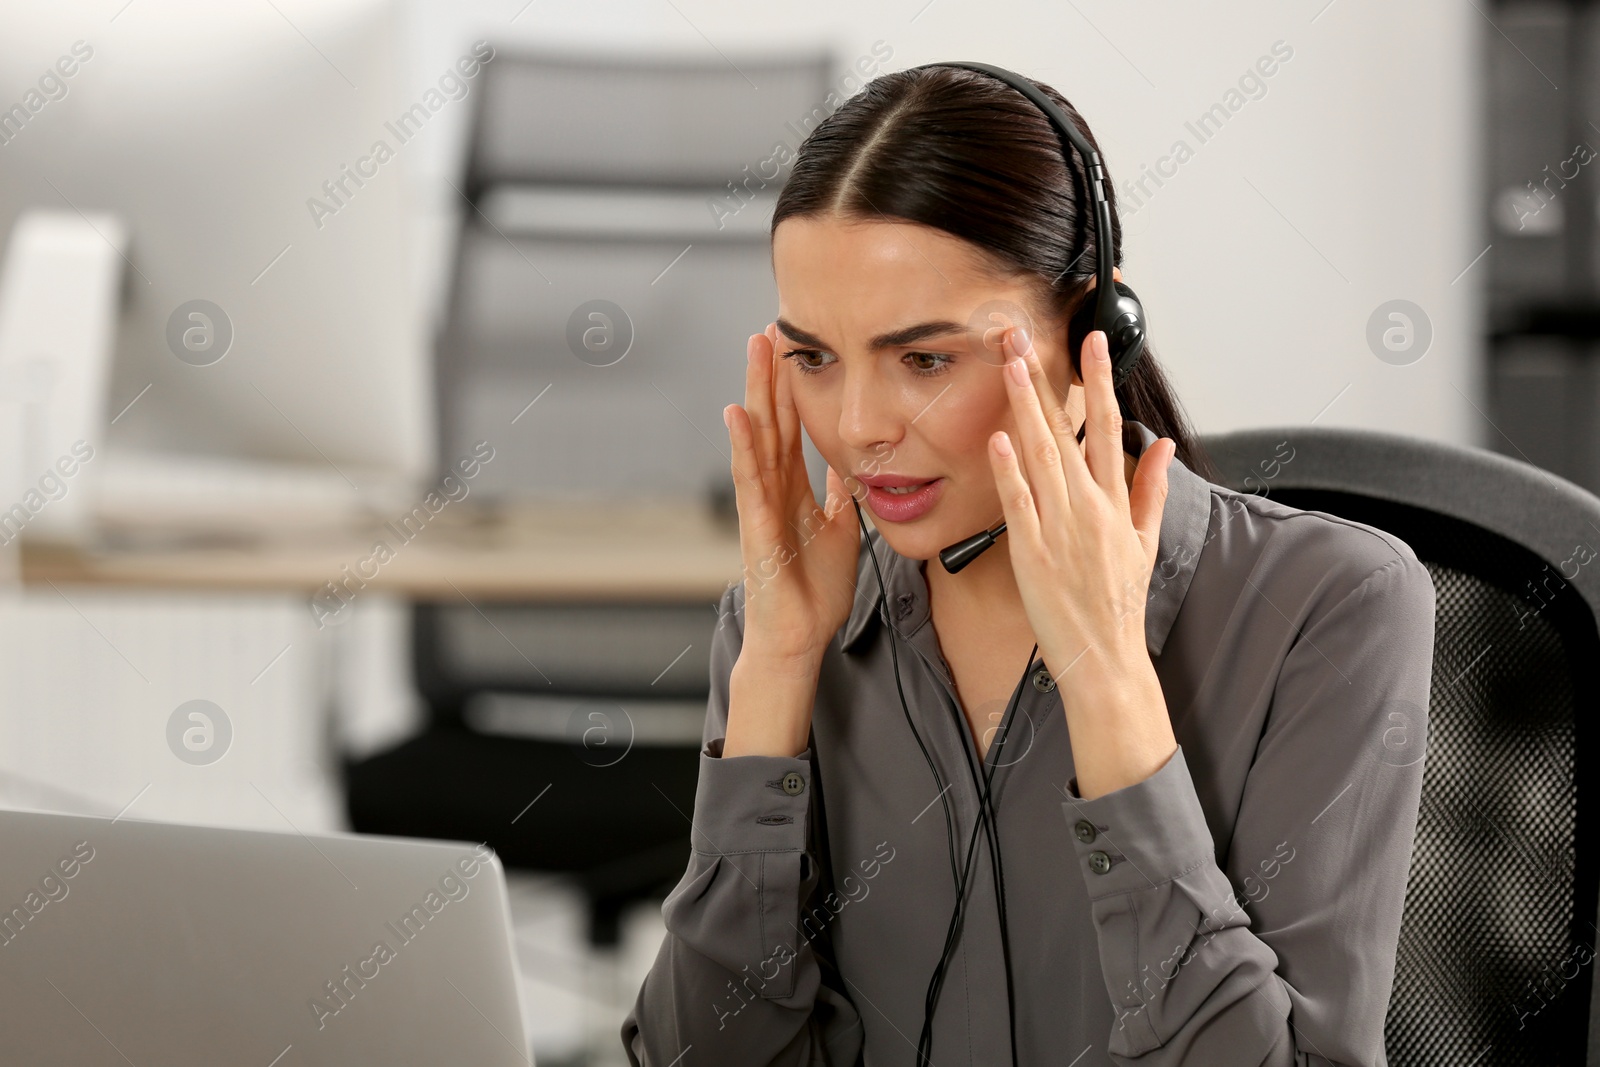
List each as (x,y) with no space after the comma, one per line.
(734,981)
(1283,954)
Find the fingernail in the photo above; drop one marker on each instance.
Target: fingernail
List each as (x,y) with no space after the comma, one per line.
(1002,444)
(1102,348)
(1020,341)
(727,419)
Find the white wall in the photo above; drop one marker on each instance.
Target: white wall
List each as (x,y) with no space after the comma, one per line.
(1351,182)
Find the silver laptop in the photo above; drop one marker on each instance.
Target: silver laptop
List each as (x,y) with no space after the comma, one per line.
(124,941)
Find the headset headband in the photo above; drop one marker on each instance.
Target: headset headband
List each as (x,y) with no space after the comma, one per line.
(1115,310)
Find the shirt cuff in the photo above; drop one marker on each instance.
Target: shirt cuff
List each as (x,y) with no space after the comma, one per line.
(751,803)
(1141,835)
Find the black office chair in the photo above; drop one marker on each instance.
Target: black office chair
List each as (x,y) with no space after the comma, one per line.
(1500,918)
(557,734)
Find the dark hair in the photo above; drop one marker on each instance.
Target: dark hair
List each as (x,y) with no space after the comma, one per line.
(962,152)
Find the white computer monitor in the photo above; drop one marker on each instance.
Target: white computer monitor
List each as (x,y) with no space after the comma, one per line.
(231,140)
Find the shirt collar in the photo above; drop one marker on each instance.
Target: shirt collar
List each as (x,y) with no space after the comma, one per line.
(1185,518)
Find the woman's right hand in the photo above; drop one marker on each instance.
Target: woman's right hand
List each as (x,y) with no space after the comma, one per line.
(799,559)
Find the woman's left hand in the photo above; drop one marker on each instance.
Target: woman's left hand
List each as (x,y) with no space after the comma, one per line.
(1083,544)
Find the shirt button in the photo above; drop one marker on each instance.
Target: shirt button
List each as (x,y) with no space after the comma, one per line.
(1085,830)
(793,784)
(1099,862)
(1042,680)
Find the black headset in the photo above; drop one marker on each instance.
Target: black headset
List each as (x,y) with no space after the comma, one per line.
(1117,311)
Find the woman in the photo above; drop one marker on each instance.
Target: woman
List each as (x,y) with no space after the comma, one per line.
(1200,828)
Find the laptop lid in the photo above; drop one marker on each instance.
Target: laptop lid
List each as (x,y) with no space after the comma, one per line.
(123,941)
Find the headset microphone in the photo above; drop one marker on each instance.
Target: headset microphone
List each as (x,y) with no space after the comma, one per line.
(962,553)
(1111,306)
(958,555)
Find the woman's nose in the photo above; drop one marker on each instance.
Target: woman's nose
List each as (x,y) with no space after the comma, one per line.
(866,416)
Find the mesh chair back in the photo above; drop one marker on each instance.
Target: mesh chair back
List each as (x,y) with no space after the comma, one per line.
(1499,921)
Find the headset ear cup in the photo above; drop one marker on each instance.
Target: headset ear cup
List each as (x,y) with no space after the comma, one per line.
(1125,333)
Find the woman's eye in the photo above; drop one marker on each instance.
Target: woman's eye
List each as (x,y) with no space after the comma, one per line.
(799,357)
(926,364)
(940,365)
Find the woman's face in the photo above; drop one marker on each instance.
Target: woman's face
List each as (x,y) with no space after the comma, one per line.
(896,367)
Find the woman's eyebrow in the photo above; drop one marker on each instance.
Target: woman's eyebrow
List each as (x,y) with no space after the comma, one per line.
(906,335)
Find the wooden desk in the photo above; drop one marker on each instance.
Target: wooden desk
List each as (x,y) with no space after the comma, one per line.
(598,552)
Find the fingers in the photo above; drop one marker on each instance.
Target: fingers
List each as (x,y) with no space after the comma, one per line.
(1147,497)
(751,452)
(1103,417)
(788,416)
(1016,498)
(838,496)
(1039,453)
(1061,421)
(748,492)
(758,400)
(747,485)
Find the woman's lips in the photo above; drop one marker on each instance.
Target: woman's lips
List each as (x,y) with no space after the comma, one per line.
(902,506)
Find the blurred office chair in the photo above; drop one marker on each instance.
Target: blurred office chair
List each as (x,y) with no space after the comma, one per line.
(1499,927)
(640,189)
(615,252)
(564,735)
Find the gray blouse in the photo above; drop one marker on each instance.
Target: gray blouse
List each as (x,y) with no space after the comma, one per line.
(1239,906)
